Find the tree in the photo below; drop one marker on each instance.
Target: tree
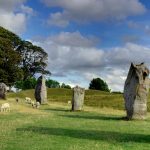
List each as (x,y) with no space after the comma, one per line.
(52,84)
(9,62)
(34,59)
(65,86)
(29,83)
(99,84)
(13,38)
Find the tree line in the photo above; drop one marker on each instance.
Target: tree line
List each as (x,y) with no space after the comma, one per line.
(30,83)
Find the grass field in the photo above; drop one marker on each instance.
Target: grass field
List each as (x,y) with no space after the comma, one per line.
(54,127)
(92,97)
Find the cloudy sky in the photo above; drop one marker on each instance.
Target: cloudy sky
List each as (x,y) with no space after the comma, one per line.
(85,39)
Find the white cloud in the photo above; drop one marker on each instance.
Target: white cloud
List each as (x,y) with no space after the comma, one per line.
(58,20)
(74,39)
(84,61)
(71,50)
(14,15)
(27,10)
(139,26)
(130,52)
(13,22)
(130,38)
(115,77)
(95,10)
(10,5)
(133,25)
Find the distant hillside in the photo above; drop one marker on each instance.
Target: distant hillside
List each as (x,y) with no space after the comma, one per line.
(92,97)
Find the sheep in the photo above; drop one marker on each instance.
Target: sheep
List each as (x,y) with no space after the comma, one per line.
(36,105)
(5,107)
(28,100)
(69,102)
(32,103)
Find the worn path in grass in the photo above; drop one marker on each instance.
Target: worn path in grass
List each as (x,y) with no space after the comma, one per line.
(54,127)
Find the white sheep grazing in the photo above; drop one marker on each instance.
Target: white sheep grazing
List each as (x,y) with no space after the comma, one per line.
(36,105)
(33,104)
(69,102)
(5,107)
(28,100)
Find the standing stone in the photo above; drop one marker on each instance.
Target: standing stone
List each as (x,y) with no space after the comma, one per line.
(136,90)
(41,91)
(78,98)
(3,90)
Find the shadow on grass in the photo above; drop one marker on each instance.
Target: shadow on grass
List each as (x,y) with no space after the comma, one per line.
(88,134)
(56,109)
(99,117)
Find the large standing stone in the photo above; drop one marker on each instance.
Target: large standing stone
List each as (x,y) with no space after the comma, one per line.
(41,91)
(78,98)
(3,90)
(136,91)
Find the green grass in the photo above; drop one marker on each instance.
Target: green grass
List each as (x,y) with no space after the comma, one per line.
(55,127)
(92,97)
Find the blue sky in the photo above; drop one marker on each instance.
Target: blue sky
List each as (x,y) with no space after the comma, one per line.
(110,32)
(84,39)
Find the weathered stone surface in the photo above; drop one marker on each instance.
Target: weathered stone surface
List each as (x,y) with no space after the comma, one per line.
(3,90)
(136,90)
(78,98)
(41,91)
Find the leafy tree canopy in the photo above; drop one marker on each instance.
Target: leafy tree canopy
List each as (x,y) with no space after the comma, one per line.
(19,59)
(9,61)
(34,59)
(65,86)
(52,84)
(29,83)
(99,84)
(14,39)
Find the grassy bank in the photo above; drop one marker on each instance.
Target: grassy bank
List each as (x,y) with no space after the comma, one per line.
(92,97)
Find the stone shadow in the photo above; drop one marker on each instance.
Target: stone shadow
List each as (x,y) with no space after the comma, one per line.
(109,136)
(57,109)
(98,117)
